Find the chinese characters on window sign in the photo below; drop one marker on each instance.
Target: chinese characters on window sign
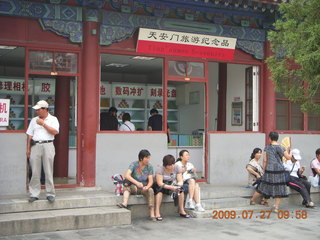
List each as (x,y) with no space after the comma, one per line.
(185,44)
(156,92)
(17,86)
(4,112)
(137,91)
(11,86)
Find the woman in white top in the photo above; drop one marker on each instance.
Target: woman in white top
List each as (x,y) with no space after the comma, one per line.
(189,181)
(255,171)
(127,125)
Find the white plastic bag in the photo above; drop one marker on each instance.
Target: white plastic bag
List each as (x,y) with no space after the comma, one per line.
(314,180)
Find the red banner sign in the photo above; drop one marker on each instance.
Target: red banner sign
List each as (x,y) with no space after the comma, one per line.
(185,44)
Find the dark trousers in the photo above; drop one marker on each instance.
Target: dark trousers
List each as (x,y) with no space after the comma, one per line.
(301,186)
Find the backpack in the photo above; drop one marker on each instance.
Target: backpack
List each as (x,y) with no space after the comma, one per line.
(117,180)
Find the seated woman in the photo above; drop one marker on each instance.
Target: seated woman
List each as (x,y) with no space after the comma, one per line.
(169,181)
(139,180)
(189,181)
(295,182)
(255,171)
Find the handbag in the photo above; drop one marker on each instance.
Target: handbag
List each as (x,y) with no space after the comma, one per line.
(314,180)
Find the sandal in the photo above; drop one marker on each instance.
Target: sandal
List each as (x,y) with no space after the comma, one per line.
(310,205)
(185,215)
(252,202)
(159,219)
(264,202)
(121,205)
(275,209)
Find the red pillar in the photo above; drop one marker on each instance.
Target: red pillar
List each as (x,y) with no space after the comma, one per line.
(222,97)
(62,112)
(88,105)
(269,98)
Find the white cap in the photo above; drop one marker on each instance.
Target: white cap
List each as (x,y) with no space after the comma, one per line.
(296,154)
(41,104)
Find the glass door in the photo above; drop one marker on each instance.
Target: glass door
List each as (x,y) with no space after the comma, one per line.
(186,111)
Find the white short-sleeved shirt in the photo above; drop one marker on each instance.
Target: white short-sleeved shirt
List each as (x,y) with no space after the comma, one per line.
(39,133)
(188,166)
(127,126)
(288,166)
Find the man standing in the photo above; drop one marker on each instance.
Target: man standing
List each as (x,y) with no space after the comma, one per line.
(155,121)
(109,120)
(41,151)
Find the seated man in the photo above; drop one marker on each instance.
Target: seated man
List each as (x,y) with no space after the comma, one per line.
(139,180)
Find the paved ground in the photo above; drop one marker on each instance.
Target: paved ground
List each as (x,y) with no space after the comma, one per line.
(308,227)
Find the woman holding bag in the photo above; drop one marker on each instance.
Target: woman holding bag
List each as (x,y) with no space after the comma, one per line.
(169,181)
(255,171)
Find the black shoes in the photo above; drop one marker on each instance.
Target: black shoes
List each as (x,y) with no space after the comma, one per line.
(32,199)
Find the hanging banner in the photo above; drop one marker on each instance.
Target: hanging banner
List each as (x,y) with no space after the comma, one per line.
(4,112)
(156,41)
(128,91)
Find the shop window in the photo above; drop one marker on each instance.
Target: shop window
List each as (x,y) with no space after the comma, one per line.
(314,119)
(289,115)
(133,85)
(53,62)
(12,86)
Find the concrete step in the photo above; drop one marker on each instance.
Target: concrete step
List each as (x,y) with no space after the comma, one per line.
(214,192)
(64,200)
(62,219)
(225,203)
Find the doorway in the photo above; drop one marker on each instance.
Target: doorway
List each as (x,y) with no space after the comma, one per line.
(186,113)
(60,93)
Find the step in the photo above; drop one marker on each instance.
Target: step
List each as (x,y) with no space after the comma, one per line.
(64,200)
(214,192)
(225,203)
(62,219)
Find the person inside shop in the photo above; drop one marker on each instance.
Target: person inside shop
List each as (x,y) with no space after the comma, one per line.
(169,181)
(40,150)
(189,175)
(109,120)
(139,180)
(127,125)
(155,120)
(315,164)
(296,181)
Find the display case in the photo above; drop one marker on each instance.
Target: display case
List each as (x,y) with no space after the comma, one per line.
(138,100)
